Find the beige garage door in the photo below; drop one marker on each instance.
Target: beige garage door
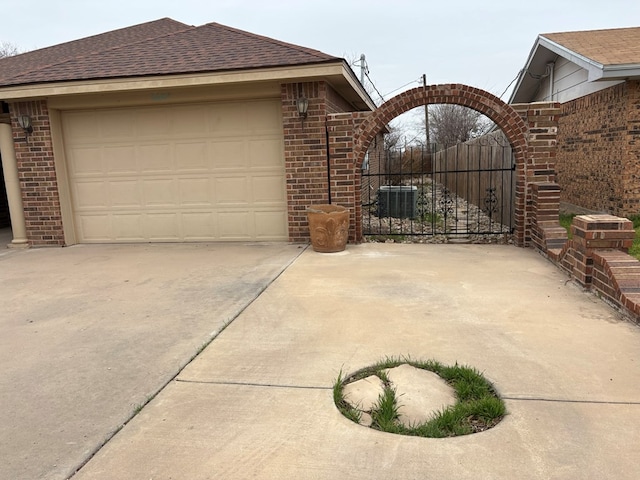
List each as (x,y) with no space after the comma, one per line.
(207,172)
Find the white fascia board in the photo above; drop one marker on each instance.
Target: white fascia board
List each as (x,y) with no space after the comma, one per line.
(286,74)
(523,71)
(620,72)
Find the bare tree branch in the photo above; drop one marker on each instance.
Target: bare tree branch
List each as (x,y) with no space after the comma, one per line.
(8,49)
(450,124)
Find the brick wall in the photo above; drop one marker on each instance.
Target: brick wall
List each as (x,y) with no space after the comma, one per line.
(37,174)
(597,259)
(598,164)
(335,103)
(541,119)
(345,172)
(631,178)
(305,151)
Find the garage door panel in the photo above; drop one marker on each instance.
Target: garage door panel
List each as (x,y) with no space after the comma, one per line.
(86,161)
(157,158)
(114,125)
(265,153)
(191,121)
(120,159)
(153,124)
(86,126)
(125,193)
(268,189)
(162,226)
(202,172)
(269,224)
(231,191)
(195,192)
(95,228)
(229,155)
(228,120)
(264,118)
(159,192)
(234,225)
(199,226)
(192,157)
(92,195)
(126,227)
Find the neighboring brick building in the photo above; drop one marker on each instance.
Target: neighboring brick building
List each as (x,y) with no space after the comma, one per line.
(595,75)
(599,150)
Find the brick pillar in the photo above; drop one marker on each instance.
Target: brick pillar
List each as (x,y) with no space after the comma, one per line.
(542,122)
(547,234)
(345,175)
(592,233)
(305,154)
(37,173)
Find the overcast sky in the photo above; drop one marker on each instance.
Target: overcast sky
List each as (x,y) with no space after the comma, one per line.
(479,43)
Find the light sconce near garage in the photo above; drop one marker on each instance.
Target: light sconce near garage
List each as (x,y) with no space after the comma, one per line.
(302,105)
(25,123)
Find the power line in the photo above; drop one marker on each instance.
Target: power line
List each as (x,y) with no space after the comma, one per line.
(405,85)
(366,74)
(511,83)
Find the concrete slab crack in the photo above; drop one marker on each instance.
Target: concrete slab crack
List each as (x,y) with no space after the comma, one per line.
(560,400)
(253,384)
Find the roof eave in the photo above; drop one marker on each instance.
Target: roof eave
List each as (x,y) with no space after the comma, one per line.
(620,72)
(365,100)
(333,71)
(595,70)
(513,98)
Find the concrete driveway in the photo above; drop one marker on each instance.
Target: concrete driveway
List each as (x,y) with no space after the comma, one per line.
(257,403)
(89,333)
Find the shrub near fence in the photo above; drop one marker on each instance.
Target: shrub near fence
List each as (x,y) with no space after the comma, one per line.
(481,172)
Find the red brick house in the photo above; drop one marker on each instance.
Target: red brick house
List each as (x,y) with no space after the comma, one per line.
(595,76)
(165,132)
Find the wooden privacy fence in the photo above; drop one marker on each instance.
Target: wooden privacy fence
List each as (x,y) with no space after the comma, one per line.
(481,172)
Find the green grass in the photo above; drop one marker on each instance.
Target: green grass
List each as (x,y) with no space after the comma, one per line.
(345,408)
(432,218)
(565,221)
(634,251)
(478,406)
(385,413)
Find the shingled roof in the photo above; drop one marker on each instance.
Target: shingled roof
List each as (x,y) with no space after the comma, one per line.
(606,55)
(161,47)
(618,46)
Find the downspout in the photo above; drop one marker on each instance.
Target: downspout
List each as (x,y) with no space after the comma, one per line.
(551,66)
(326,130)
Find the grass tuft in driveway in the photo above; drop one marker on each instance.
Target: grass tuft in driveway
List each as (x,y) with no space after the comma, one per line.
(478,405)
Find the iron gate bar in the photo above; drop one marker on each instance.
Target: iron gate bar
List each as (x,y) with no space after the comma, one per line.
(443,211)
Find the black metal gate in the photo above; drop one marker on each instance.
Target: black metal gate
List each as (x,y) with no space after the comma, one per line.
(465,190)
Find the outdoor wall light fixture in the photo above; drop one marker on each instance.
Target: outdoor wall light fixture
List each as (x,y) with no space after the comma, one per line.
(25,123)
(303,106)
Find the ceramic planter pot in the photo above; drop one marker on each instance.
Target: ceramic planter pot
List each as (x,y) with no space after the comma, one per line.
(329,227)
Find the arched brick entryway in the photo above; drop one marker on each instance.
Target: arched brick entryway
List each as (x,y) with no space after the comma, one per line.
(505,117)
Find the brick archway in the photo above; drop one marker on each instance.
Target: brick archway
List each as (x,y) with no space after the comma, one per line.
(504,116)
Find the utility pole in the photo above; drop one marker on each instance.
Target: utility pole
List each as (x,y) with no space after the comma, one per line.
(363,68)
(426,108)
